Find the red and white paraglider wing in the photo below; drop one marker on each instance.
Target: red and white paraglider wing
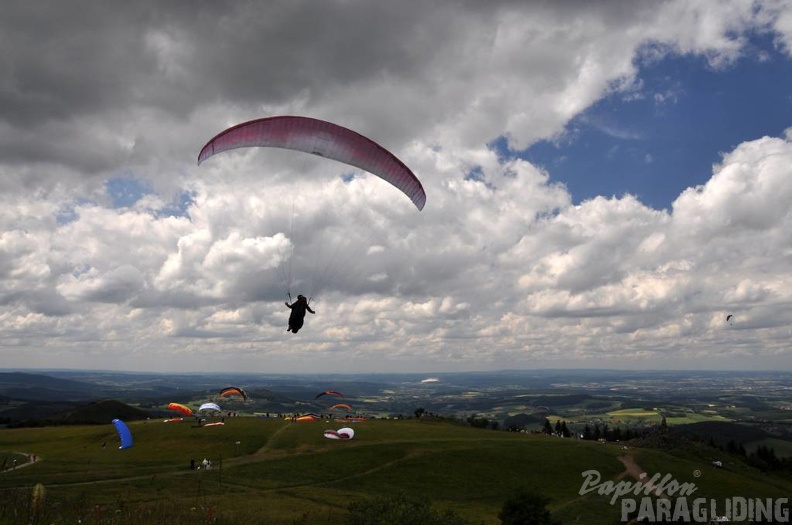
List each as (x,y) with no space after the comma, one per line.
(346,433)
(322,138)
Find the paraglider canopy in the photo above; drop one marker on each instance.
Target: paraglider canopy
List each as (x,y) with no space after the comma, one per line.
(123,433)
(341,405)
(341,433)
(329,393)
(322,138)
(209,406)
(181,409)
(346,433)
(233,391)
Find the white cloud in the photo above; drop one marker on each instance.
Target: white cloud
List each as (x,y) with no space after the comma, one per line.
(499,269)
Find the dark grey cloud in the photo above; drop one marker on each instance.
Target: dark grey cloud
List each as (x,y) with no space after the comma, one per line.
(499,269)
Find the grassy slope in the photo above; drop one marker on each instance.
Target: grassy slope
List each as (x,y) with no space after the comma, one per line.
(285,472)
(782,448)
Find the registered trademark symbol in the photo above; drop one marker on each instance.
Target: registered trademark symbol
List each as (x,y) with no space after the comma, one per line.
(696,473)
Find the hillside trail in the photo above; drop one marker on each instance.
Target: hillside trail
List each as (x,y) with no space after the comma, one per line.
(229,462)
(373,470)
(256,456)
(262,454)
(266,447)
(632,469)
(29,462)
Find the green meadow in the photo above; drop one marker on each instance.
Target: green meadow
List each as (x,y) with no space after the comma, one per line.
(633,414)
(275,471)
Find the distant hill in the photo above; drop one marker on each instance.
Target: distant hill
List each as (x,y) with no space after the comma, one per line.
(265,400)
(721,432)
(39,387)
(100,412)
(560,400)
(86,386)
(35,410)
(45,413)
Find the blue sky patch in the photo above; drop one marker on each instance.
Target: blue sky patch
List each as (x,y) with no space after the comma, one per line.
(658,141)
(179,206)
(125,191)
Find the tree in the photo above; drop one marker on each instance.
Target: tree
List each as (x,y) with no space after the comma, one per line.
(548,427)
(478,421)
(526,508)
(419,412)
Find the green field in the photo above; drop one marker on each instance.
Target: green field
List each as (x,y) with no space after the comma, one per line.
(277,472)
(630,414)
(694,417)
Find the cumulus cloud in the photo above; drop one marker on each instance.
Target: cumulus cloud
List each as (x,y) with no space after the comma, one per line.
(499,270)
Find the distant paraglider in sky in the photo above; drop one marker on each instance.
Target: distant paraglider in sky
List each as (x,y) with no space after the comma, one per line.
(323,139)
(233,391)
(729,319)
(123,434)
(341,406)
(329,393)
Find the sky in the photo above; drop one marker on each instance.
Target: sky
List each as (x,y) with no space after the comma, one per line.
(606,182)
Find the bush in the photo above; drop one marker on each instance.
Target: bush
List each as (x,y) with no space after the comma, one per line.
(526,508)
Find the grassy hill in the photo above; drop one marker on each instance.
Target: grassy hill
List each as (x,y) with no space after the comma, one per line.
(101,412)
(722,431)
(51,413)
(274,471)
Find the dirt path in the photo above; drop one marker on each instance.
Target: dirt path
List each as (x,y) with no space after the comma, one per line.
(262,454)
(228,463)
(372,470)
(29,462)
(266,447)
(632,469)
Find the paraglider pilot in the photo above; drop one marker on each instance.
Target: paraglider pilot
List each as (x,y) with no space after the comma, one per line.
(297,316)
